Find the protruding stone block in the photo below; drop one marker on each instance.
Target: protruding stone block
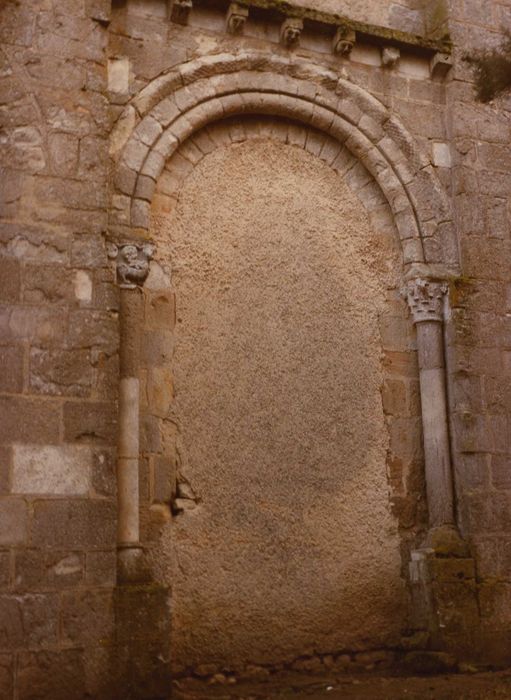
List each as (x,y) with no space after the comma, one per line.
(290,31)
(344,41)
(440,65)
(119,75)
(390,56)
(237,15)
(179,11)
(100,10)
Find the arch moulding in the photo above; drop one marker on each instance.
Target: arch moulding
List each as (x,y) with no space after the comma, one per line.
(178,103)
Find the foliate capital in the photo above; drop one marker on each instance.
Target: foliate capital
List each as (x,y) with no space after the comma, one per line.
(425,299)
(132,262)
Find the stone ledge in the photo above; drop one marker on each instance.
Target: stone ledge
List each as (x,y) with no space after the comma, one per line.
(317,20)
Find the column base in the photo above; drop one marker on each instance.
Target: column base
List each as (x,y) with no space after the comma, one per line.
(140,656)
(444,594)
(446,541)
(132,566)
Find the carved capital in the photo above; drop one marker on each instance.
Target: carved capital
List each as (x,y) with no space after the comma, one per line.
(344,41)
(290,31)
(237,15)
(132,262)
(425,299)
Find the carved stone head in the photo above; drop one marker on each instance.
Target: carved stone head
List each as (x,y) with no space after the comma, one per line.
(290,31)
(237,15)
(344,41)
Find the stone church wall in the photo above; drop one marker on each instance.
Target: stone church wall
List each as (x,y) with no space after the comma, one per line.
(59,343)
(479,136)
(70,76)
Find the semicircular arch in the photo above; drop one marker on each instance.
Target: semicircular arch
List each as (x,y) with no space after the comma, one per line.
(176,105)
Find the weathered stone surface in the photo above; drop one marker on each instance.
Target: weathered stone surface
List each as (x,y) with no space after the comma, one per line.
(5,571)
(164,479)
(90,422)
(73,523)
(88,251)
(58,675)
(160,310)
(11,362)
(63,153)
(431,662)
(101,568)
(63,470)
(157,348)
(29,420)
(7,674)
(11,279)
(93,328)
(86,617)
(13,521)
(35,569)
(150,434)
(28,621)
(103,472)
(60,372)
(43,326)
(160,390)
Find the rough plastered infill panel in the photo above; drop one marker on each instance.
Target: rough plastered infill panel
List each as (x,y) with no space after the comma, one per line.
(279,283)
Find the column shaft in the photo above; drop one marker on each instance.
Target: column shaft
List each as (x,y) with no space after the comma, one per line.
(132,264)
(426,300)
(435,424)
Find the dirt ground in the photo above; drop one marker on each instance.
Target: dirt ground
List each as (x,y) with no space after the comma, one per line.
(477,686)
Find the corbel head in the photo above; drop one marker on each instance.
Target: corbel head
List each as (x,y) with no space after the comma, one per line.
(237,16)
(179,10)
(344,40)
(290,31)
(390,56)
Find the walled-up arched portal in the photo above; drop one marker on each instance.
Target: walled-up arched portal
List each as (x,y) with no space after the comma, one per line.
(177,105)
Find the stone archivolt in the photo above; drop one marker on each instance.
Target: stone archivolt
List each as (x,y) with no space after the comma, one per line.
(179,103)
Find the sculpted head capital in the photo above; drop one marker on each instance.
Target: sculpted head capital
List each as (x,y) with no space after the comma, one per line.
(425,299)
(132,262)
